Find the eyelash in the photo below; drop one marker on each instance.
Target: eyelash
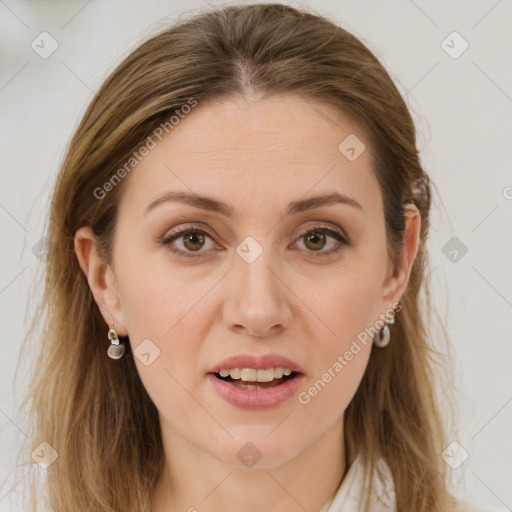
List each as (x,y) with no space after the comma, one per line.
(167,240)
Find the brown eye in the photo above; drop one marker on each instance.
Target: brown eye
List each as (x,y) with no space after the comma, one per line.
(193,240)
(315,241)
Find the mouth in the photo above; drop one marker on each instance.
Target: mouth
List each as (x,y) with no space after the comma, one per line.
(271,381)
(249,388)
(251,381)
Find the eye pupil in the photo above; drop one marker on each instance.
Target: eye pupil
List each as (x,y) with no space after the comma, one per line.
(315,237)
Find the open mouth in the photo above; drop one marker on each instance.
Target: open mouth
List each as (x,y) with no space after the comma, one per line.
(255,385)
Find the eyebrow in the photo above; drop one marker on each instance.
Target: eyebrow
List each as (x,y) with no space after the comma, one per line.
(216,206)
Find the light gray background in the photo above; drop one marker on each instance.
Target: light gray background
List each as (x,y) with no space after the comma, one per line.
(463,110)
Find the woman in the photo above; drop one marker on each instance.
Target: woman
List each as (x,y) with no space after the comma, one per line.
(237,257)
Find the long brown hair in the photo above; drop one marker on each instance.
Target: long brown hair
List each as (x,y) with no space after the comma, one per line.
(95,412)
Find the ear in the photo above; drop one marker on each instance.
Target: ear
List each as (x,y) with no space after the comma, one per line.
(397,278)
(101,279)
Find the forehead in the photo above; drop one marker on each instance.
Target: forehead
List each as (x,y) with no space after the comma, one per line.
(272,128)
(249,151)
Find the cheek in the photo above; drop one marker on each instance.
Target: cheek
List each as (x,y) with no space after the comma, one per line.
(329,392)
(348,308)
(166,318)
(341,361)
(157,298)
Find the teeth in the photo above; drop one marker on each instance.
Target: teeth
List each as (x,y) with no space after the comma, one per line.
(253,375)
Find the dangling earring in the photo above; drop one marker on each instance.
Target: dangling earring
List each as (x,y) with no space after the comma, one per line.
(117,348)
(381,338)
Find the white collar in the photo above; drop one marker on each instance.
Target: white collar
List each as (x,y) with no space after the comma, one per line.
(352,490)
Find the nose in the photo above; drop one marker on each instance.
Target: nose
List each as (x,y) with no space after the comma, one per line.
(257,299)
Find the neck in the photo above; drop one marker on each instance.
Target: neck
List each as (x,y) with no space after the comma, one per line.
(194,481)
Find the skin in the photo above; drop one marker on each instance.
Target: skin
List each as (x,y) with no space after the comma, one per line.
(258,156)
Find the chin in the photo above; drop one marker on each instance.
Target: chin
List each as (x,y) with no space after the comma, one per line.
(259,451)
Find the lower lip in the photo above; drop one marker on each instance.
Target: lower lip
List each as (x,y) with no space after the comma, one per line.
(256,398)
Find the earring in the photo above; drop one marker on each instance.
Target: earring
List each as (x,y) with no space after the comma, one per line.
(117,348)
(382,337)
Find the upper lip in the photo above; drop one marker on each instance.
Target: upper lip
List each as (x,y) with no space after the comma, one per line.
(257,362)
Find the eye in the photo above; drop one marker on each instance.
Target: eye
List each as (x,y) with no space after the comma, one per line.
(194,239)
(315,239)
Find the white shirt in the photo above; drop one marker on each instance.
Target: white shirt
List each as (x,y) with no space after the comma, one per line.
(352,491)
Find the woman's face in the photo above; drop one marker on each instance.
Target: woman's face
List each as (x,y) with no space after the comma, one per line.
(267,272)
